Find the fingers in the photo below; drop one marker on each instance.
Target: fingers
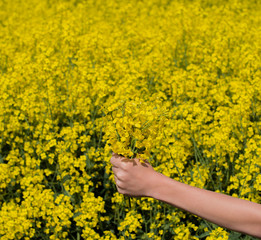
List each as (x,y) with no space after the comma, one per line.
(120,190)
(118,161)
(117,171)
(117,182)
(114,169)
(115,160)
(114,154)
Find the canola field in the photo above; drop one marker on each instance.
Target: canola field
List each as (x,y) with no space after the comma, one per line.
(175,82)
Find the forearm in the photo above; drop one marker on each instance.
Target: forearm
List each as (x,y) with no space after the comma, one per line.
(229,212)
(134,178)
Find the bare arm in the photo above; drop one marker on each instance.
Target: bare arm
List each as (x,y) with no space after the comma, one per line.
(140,179)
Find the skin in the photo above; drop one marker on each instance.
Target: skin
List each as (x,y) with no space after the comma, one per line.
(137,179)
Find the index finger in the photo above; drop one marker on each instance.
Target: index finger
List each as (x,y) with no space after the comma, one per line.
(115,160)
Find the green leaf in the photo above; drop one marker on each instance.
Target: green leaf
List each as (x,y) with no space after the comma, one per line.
(234,236)
(65,178)
(205,234)
(77,214)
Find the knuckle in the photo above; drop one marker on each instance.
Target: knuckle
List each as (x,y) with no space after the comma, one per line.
(121,176)
(122,186)
(124,178)
(112,159)
(124,167)
(122,191)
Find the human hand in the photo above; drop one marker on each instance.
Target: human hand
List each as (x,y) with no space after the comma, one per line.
(133,178)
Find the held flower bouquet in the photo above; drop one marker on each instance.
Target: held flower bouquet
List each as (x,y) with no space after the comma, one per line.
(134,128)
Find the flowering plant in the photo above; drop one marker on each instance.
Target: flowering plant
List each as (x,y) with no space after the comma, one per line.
(134,128)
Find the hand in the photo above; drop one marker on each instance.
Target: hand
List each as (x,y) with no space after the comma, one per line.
(132,177)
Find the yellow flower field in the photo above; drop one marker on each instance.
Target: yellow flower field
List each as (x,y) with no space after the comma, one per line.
(176,82)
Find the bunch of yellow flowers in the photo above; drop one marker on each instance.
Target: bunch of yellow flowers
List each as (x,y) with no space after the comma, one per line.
(134,128)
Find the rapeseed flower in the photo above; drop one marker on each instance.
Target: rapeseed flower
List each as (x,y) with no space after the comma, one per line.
(174,82)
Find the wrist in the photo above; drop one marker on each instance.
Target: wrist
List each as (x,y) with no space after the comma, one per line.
(157,184)
(169,191)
